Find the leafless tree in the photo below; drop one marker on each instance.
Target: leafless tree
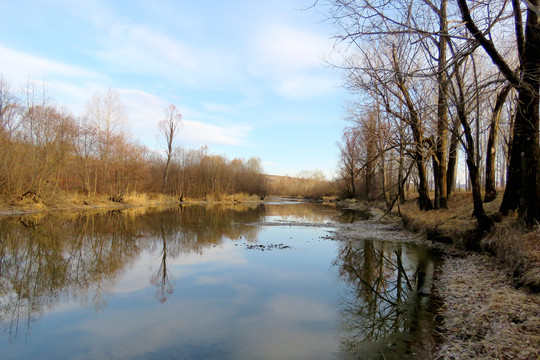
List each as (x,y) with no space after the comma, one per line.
(523,186)
(169,128)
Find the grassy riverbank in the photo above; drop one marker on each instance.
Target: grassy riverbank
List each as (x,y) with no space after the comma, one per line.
(65,201)
(491,300)
(508,242)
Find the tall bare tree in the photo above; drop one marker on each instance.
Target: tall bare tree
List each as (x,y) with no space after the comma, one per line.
(490,189)
(169,128)
(106,116)
(523,186)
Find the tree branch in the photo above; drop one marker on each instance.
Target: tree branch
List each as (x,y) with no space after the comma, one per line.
(487,45)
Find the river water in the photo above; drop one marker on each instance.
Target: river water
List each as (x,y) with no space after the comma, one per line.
(262,281)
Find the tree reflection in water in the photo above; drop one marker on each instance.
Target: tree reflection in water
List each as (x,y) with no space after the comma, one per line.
(387,310)
(48,260)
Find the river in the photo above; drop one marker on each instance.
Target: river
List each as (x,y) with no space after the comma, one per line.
(246,281)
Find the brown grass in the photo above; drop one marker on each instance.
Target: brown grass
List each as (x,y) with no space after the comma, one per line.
(233,198)
(485,316)
(455,224)
(519,249)
(76,201)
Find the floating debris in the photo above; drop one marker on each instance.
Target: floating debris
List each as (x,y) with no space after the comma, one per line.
(267,247)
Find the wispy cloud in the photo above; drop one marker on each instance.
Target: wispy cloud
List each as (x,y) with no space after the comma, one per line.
(307,87)
(199,133)
(145,110)
(291,59)
(143,50)
(17,63)
(289,49)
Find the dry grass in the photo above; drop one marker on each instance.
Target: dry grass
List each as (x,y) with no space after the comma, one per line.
(77,201)
(240,197)
(520,251)
(457,222)
(143,199)
(485,316)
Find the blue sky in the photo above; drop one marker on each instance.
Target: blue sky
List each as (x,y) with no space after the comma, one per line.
(249,77)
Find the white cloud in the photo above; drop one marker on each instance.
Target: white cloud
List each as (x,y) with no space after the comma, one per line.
(143,50)
(289,48)
(139,48)
(307,87)
(199,133)
(145,110)
(17,64)
(291,59)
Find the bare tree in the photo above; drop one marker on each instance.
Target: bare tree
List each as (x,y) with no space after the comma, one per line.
(461,102)
(490,189)
(350,160)
(523,186)
(105,115)
(169,128)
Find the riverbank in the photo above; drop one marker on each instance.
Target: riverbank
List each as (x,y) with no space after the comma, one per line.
(77,202)
(490,301)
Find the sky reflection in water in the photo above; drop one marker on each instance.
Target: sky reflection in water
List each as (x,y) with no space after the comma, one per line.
(182,284)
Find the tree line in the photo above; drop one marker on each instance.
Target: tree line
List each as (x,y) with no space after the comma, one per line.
(435,79)
(46,150)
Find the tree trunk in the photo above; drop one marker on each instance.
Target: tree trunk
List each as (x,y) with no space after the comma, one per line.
(452,159)
(491,154)
(441,191)
(401,178)
(386,193)
(424,203)
(523,187)
(484,222)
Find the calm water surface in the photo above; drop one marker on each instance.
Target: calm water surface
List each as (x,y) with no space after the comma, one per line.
(206,282)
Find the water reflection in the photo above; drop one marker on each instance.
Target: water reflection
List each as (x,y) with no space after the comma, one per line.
(183,283)
(350,216)
(51,259)
(385,313)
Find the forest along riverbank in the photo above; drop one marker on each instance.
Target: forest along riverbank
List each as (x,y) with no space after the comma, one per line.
(484,312)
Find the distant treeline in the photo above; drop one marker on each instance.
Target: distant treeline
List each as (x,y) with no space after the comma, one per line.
(310,185)
(45,150)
